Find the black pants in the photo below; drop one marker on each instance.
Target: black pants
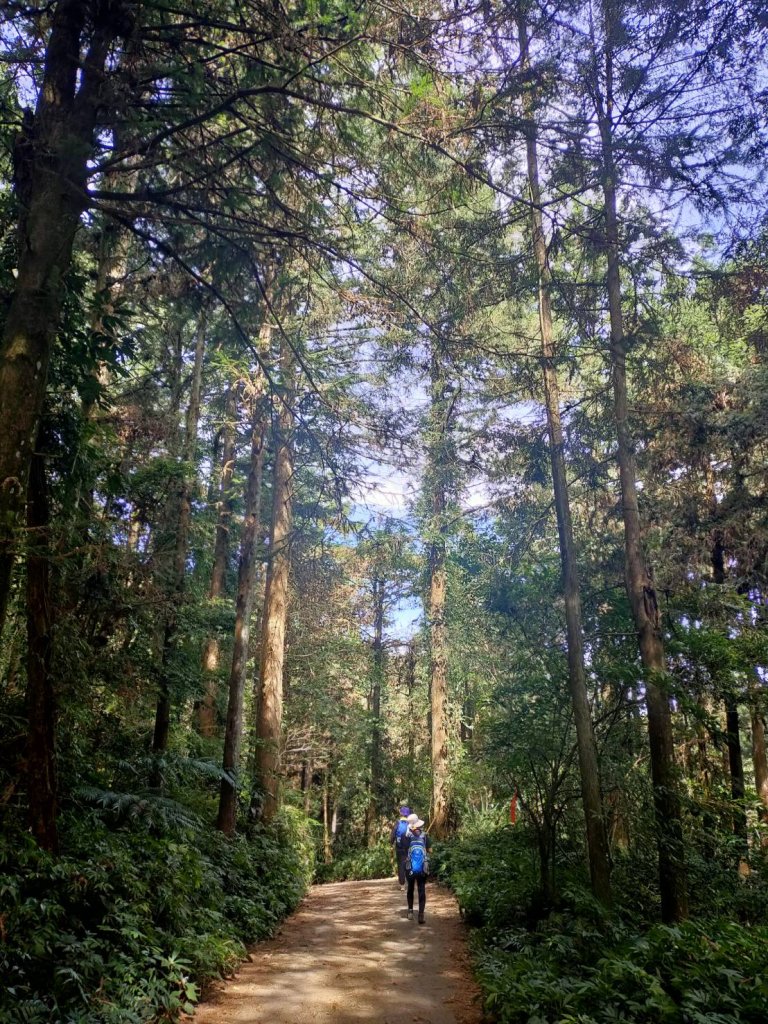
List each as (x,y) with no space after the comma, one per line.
(400,855)
(421,882)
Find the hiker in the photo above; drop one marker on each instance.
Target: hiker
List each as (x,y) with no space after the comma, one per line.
(417,846)
(397,838)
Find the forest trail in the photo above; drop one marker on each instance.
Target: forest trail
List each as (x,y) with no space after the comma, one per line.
(350,954)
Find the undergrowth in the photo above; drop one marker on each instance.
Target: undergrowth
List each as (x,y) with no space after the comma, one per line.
(133,918)
(571,962)
(358,865)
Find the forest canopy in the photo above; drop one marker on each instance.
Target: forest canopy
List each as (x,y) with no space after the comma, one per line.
(383,417)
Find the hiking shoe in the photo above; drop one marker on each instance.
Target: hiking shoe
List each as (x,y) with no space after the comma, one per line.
(409,915)
(421,918)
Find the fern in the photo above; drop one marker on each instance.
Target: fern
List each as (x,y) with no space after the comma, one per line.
(151,809)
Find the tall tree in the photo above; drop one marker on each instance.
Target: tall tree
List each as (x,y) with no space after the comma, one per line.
(440,465)
(597,840)
(638,576)
(174,539)
(42,789)
(205,711)
(246,585)
(274,618)
(51,159)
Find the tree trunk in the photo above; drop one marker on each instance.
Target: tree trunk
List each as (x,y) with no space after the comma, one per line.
(41,737)
(377,771)
(410,682)
(180,509)
(546,836)
(467,716)
(732,728)
(270,711)
(760,763)
(440,468)
(597,840)
(205,712)
(439,686)
(51,158)
(246,585)
(327,852)
(736,770)
(334,821)
(638,578)
(307,771)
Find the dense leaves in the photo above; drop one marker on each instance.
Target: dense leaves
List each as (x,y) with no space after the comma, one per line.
(574,963)
(133,919)
(291,297)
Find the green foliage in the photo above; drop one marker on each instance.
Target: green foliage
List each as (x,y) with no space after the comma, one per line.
(373,862)
(492,874)
(131,921)
(578,964)
(571,972)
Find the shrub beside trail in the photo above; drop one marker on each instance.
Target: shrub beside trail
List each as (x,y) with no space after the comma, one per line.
(133,919)
(571,962)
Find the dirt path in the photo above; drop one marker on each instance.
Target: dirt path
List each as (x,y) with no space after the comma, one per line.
(349,954)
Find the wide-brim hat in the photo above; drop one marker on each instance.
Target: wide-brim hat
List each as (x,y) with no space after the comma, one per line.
(416,824)
(413,818)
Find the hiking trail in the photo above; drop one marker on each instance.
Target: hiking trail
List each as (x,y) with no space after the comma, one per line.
(350,954)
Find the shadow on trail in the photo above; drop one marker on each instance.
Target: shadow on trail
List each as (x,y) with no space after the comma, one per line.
(350,954)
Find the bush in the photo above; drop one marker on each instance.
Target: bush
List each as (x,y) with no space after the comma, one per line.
(705,972)
(574,963)
(491,874)
(127,926)
(373,862)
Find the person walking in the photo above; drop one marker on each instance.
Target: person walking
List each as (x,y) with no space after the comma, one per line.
(397,838)
(417,846)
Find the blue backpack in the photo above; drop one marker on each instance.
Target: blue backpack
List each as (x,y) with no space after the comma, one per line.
(416,863)
(400,831)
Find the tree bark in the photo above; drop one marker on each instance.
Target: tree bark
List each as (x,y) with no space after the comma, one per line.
(439,680)
(180,510)
(439,463)
(410,682)
(307,772)
(760,764)
(377,770)
(270,710)
(205,712)
(638,578)
(50,170)
(736,770)
(246,585)
(597,840)
(327,851)
(41,736)
(732,728)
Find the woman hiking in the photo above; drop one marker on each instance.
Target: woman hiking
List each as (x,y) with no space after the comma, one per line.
(418,845)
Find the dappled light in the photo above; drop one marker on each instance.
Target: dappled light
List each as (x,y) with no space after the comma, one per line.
(383,535)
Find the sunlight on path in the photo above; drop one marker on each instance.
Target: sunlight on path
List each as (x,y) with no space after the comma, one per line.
(350,954)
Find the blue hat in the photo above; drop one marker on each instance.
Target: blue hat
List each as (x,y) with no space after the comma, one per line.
(405,810)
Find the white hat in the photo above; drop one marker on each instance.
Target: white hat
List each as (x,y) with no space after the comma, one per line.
(412,819)
(416,824)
